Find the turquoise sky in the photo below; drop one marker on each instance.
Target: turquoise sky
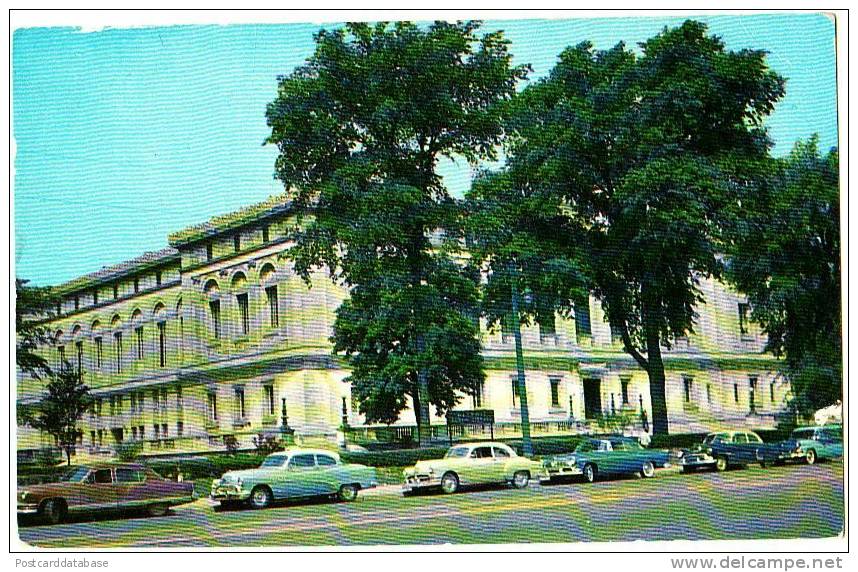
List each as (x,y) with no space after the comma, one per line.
(125,135)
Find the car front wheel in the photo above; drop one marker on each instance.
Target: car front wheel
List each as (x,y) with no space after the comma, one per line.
(590,473)
(260,497)
(54,511)
(450,483)
(157,509)
(520,479)
(721,464)
(347,493)
(648,470)
(810,457)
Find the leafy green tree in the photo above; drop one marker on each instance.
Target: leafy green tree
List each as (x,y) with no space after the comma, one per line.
(523,239)
(650,148)
(65,401)
(360,129)
(786,258)
(32,305)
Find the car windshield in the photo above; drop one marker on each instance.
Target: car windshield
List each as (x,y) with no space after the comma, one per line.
(457,452)
(628,445)
(75,475)
(711,438)
(802,434)
(586,446)
(274,461)
(834,433)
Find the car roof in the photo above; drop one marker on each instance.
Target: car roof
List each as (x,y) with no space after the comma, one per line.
(301,450)
(482,444)
(110,465)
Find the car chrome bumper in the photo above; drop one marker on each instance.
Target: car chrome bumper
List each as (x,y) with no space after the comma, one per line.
(699,461)
(416,482)
(28,509)
(559,472)
(227,493)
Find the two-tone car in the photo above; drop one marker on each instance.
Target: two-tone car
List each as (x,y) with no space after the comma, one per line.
(812,444)
(472,464)
(610,456)
(295,473)
(103,487)
(726,449)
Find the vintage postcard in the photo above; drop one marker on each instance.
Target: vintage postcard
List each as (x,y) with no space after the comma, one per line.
(546,279)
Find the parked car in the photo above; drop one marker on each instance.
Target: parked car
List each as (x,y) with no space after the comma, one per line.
(292,474)
(472,464)
(595,457)
(726,449)
(102,487)
(812,444)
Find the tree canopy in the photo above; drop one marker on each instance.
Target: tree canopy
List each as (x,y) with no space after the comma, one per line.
(650,148)
(32,305)
(360,129)
(786,258)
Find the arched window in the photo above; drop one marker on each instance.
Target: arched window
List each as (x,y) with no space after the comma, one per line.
(239,287)
(161,324)
(212,290)
(77,336)
(267,277)
(137,325)
(98,345)
(116,326)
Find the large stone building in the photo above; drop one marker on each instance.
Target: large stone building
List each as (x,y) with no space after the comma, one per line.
(211,337)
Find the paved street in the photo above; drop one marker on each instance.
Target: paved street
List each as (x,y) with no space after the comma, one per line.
(777,502)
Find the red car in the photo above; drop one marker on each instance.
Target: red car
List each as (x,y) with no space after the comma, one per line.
(103,487)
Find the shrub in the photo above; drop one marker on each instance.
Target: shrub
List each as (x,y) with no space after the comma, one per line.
(267,444)
(129,450)
(231,444)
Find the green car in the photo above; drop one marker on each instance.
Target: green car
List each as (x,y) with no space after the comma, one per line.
(811,444)
(292,474)
(608,456)
(472,464)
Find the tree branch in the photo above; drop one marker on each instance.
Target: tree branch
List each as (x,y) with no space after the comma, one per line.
(630,348)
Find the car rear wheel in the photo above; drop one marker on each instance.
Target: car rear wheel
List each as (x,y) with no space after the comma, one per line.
(721,464)
(260,497)
(450,483)
(157,509)
(590,472)
(810,457)
(648,470)
(347,493)
(520,479)
(54,510)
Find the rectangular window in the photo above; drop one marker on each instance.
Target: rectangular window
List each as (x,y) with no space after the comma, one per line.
(743,318)
(164,399)
(112,405)
(79,354)
(119,405)
(59,308)
(211,406)
(115,291)
(180,428)
(180,401)
(156,401)
(265,235)
(164,431)
(708,393)
(142,432)
(555,391)
(157,430)
(61,357)
(243,313)
(514,382)
(236,242)
(98,404)
(136,284)
(582,320)
(138,338)
(273,309)
(162,344)
(214,307)
(92,438)
(133,401)
(478,395)
(547,327)
(736,392)
(209,251)
(95,296)
(772,391)
(624,389)
(157,278)
(238,404)
(117,350)
(752,391)
(687,382)
(77,302)
(99,352)
(134,433)
(141,400)
(269,399)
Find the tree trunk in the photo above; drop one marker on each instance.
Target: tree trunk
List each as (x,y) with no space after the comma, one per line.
(655,371)
(521,389)
(68,456)
(421,401)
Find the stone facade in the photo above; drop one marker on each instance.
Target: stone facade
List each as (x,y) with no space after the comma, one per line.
(211,337)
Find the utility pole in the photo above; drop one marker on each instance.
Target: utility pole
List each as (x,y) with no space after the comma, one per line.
(526,443)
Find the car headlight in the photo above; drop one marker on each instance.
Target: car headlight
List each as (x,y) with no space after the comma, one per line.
(680,454)
(239,481)
(431,471)
(23,495)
